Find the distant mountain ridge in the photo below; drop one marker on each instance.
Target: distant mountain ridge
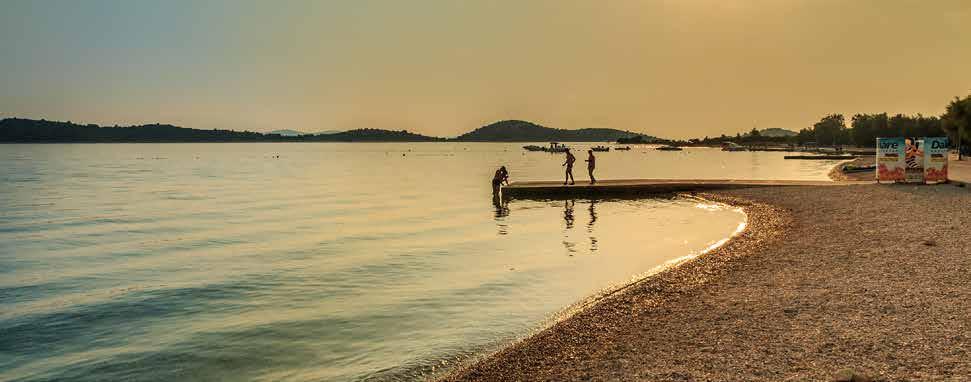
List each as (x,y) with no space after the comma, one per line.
(31,130)
(777,132)
(524,131)
(375,135)
(287,132)
(18,130)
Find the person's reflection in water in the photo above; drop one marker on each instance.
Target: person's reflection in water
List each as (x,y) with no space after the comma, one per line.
(568,213)
(593,215)
(568,218)
(501,210)
(593,219)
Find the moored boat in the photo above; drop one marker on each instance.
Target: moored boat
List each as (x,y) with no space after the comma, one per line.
(552,148)
(669,148)
(732,146)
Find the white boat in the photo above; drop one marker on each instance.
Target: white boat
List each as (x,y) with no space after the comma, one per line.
(732,146)
(669,148)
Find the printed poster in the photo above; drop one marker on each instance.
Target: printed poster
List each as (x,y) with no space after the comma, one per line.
(935,159)
(914,160)
(890,160)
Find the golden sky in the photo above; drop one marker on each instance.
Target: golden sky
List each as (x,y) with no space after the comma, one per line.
(675,69)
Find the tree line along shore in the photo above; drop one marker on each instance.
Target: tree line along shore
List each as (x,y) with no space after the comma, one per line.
(863,130)
(831,130)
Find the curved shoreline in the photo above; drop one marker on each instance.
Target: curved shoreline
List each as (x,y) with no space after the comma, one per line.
(823,279)
(659,285)
(838,175)
(472,358)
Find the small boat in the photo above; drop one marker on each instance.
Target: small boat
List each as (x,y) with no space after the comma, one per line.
(669,148)
(625,148)
(552,148)
(852,169)
(732,146)
(600,148)
(557,148)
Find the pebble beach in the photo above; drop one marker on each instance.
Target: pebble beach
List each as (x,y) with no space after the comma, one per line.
(862,282)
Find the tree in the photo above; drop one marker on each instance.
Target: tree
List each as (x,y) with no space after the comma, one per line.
(831,130)
(804,136)
(956,121)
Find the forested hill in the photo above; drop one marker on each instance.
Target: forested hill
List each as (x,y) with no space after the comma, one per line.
(373,135)
(523,131)
(29,130)
(40,131)
(777,132)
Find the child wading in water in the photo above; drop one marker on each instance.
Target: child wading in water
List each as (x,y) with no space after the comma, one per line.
(569,167)
(591,164)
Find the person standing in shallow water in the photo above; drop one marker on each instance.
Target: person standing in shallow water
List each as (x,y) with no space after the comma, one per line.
(591,164)
(501,177)
(569,167)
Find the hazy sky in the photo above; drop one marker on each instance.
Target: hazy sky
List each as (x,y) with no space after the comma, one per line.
(670,68)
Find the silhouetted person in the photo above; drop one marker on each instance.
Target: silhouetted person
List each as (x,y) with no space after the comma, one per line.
(569,167)
(591,164)
(501,177)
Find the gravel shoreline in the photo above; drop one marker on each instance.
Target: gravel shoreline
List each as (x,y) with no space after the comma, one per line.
(871,278)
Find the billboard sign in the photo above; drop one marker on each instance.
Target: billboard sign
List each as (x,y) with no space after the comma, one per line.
(935,159)
(890,160)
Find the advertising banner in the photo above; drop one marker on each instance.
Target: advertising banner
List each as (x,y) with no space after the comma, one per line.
(914,160)
(890,160)
(935,159)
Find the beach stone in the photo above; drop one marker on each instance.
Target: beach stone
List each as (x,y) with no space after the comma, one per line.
(849,375)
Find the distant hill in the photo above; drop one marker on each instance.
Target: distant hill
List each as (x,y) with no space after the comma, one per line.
(329,132)
(777,132)
(19,130)
(287,133)
(30,130)
(523,131)
(375,135)
(638,139)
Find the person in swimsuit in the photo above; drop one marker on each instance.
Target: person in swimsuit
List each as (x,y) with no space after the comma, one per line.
(569,167)
(591,164)
(913,154)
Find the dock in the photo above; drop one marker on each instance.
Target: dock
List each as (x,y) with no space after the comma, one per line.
(645,187)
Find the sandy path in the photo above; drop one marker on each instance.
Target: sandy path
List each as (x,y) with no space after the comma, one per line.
(873,278)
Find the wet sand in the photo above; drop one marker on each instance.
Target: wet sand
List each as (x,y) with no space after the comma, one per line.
(871,278)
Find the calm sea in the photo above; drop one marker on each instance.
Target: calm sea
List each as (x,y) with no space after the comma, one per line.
(317,262)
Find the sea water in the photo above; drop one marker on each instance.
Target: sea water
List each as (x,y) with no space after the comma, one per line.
(318,261)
